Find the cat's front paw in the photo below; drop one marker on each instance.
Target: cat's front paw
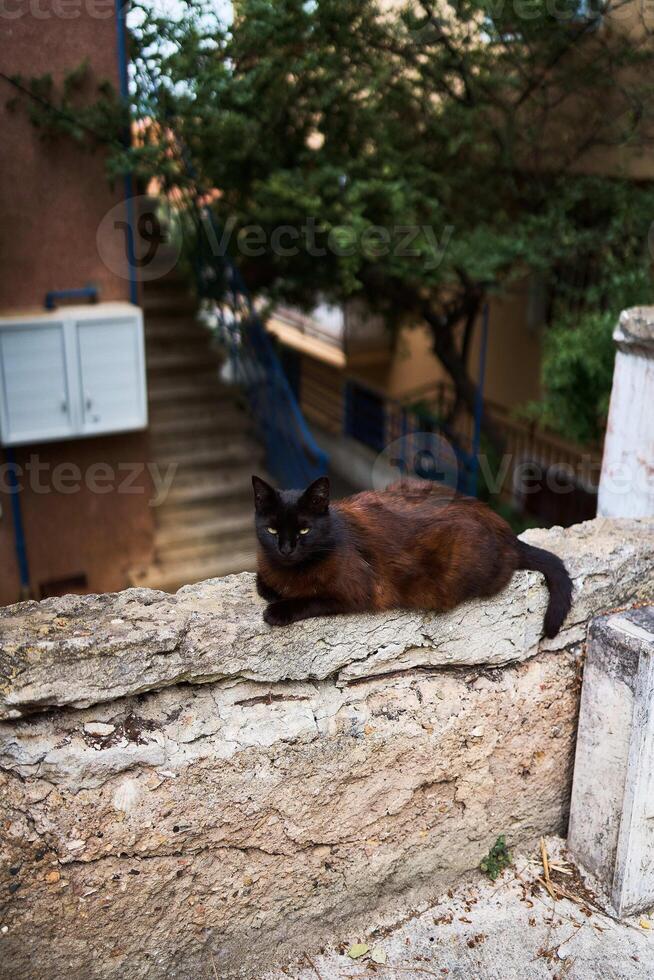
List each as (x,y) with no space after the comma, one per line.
(279,614)
(266,591)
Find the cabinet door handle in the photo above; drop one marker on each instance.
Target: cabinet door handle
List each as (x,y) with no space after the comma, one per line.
(64,405)
(89,403)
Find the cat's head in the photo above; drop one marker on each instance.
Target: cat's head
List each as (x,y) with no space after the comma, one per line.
(293,526)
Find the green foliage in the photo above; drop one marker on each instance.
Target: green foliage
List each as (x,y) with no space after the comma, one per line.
(578,356)
(83,108)
(473,127)
(497,859)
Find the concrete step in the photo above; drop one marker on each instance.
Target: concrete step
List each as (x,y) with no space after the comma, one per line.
(169,578)
(172,435)
(191,388)
(166,326)
(218,411)
(168,302)
(216,454)
(188,515)
(213,401)
(184,344)
(205,525)
(197,549)
(214,488)
(218,547)
(183,361)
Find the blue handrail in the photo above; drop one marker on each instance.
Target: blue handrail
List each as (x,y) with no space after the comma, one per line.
(378,421)
(293,458)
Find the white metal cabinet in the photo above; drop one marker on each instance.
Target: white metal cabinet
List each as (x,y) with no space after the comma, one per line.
(36,402)
(74,372)
(111,374)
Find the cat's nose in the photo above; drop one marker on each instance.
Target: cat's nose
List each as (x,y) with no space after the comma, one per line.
(286,547)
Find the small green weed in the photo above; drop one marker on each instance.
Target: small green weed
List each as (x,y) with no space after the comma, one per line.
(497,859)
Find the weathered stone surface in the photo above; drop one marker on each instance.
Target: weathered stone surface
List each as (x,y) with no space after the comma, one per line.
(84,650)
(491,930)
(241,821)
(611,829)
(155,828)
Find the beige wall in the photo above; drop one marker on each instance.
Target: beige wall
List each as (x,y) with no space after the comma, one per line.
(512,361)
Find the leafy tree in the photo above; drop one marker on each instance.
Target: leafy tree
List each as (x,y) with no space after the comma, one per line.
(578,357)
(476,123)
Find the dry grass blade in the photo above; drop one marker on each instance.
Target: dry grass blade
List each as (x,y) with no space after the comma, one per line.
(558,891)
(560,869)
(546,868)
(555,949)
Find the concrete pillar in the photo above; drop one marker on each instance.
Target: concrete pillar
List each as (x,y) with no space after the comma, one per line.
(611,830)
(627,481)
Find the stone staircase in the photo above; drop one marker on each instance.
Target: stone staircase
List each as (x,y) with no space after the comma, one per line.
(204,527)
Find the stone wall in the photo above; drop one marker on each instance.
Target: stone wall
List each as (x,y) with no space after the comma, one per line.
(185,792)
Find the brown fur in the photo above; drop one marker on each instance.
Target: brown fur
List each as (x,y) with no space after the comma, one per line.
(406,547)
(412,546)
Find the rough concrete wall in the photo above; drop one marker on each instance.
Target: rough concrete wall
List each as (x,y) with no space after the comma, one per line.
(197,791)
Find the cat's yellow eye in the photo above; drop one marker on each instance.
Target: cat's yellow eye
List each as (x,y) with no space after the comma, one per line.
(304,530)
(271,530)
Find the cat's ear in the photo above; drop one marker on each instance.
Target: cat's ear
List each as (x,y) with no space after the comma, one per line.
(315,498)
(265,496)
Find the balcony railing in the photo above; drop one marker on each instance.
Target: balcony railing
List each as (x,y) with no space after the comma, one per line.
(525,444)
(349,329)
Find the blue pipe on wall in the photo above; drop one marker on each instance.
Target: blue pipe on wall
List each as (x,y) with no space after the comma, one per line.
(85,292)
(19,533)
(121,46)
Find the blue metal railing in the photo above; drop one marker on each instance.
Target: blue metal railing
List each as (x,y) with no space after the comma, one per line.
(293,458)
(415,441)
(380,422)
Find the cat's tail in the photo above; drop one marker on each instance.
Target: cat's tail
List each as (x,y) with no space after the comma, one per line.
(558,581)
